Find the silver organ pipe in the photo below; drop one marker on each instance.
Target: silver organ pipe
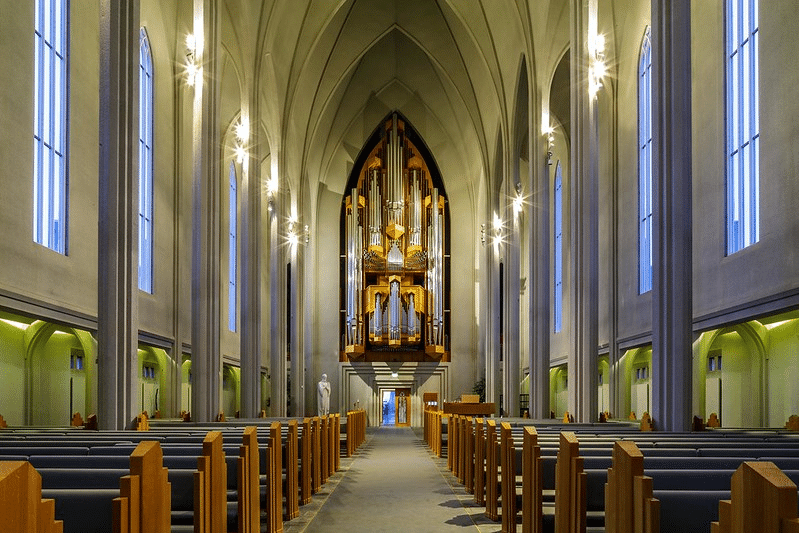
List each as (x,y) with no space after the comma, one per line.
(415,207)
(435,273)
(375,212)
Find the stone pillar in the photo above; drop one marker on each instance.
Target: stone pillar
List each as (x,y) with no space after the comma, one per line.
(250,301)
(117,276)
(582,359)
(206,360)
(671,213)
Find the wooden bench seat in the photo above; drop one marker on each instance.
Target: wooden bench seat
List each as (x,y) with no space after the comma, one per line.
(84,510)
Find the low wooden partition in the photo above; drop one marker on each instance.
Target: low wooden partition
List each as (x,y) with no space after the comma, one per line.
(210,484)
(762,499)
(570,487)
(356,430)
(629,505)
(532,483)
(145,495)
(22,508)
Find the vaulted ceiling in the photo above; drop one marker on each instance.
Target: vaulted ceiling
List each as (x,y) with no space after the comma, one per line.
(328,71)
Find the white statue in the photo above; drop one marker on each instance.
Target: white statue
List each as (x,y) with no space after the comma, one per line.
(402,409)
(323,396)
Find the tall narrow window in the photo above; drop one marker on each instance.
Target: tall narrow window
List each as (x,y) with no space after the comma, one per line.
(145,164)
(50,111)
(645,166)
(743,125)
(558,267)
(232,237)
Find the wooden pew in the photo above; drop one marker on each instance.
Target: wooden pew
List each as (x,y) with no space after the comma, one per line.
(467,453)
(22,508)
(508,476)
(145,495)
(324,443)
(570,487)
(762,499)
(333,443)
(492,471)
(306,468)
(316,451)
(274,472)
(210,481)
(479,462)
(249,497)
(629,505)
(532,483)
(292,473)
(452,443)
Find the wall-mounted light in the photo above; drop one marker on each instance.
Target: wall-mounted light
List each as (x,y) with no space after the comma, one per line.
(193,70)
(549,133)
(597,69)
(295,234)
(518,203)
(497,230)
(242,132)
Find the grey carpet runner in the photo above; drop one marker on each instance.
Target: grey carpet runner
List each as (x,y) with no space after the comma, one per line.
(394,484)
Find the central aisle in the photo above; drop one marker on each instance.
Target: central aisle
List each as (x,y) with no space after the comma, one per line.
(392,485)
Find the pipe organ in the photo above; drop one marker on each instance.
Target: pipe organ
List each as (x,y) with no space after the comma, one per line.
(394,280)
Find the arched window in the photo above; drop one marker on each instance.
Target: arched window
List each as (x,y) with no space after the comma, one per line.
(645,166)
(743,124)
(145,164)
(558,266)
(232,237)
(50,111)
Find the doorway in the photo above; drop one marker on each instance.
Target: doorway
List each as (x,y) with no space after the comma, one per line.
(396,407)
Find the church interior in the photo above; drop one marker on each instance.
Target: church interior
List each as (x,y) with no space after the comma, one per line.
(560,206)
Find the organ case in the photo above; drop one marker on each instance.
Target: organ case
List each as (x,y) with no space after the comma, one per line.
(394,255)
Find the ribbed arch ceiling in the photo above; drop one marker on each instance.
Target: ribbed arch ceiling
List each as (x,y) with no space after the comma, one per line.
(338,61)
(395,74)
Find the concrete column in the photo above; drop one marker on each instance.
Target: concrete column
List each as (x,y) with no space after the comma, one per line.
(671,212)
(205,320)
(491,316)
(540,325)
(250,301)
(295,330)
(582,359)
(510,334)
(117,269)
(277,307)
